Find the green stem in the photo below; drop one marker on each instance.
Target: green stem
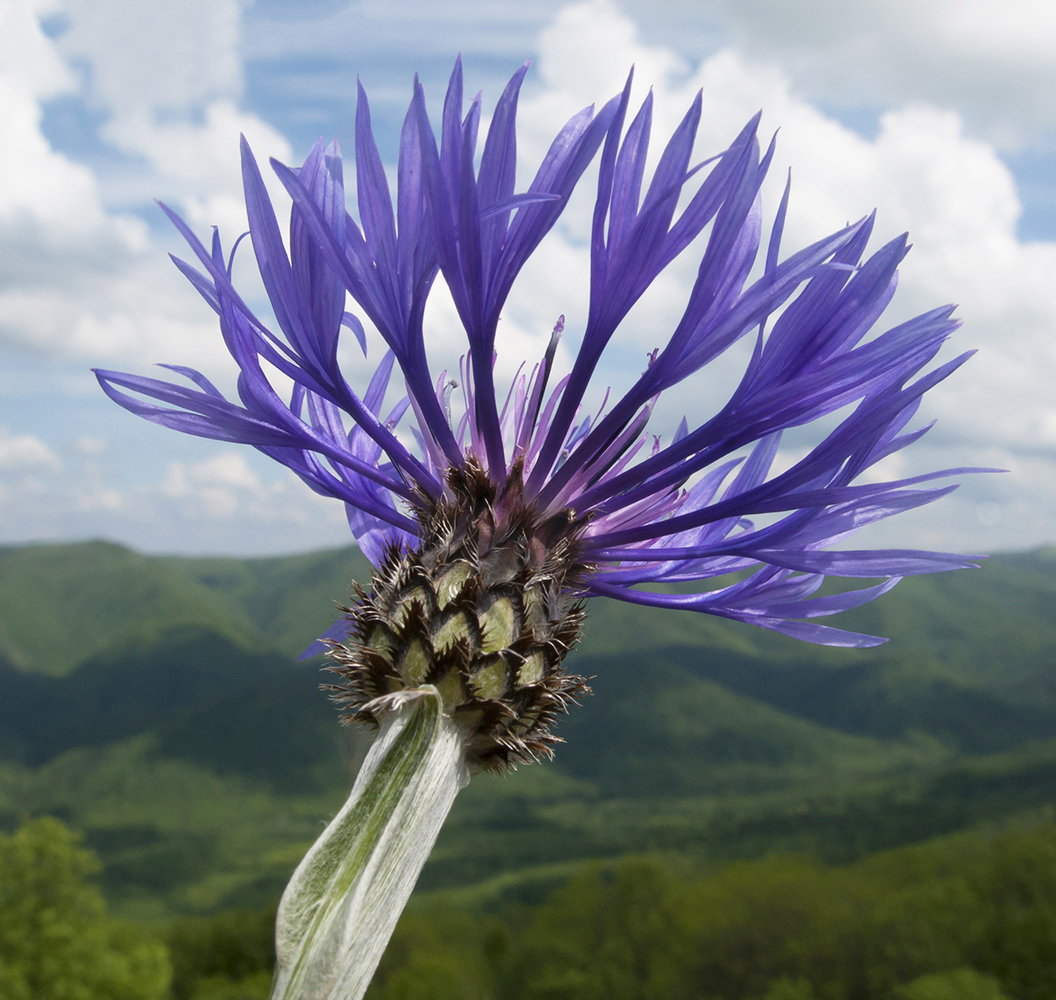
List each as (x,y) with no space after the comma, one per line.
(342,904)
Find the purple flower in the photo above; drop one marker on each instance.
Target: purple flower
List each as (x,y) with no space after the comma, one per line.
(640,510)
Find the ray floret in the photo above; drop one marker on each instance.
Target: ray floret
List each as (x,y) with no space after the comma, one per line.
(488,527)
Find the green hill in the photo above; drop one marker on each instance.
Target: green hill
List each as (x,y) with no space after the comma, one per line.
(156,704)
(62,604)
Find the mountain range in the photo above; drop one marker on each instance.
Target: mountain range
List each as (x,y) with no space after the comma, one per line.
(156,703)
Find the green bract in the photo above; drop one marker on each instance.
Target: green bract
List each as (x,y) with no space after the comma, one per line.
(344,899)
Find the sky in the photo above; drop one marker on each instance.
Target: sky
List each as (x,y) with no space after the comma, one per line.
(937,113)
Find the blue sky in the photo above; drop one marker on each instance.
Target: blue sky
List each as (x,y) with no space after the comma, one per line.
(938,113)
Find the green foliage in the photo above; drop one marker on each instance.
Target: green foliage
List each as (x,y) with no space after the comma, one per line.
(228,956)
(960,984)
(56,941)
(964,918)
(440,954)
(201,761)
(607,935)
(60,604)
(174,837)
(253,987)
(288,600)
(1018,881)
(204,697)
(790,989)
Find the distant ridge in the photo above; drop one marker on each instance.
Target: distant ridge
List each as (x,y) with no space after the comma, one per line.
(63,604)
(156,703)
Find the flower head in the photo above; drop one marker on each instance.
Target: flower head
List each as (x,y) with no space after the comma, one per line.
(487,527)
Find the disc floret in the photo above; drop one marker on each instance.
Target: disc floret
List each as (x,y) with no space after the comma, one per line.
(485,609)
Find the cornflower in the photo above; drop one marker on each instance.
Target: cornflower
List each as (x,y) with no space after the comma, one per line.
(488,531)
(489,528)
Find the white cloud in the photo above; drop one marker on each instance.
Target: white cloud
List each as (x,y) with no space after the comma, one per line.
(217,482)
(88,444)
(51,215)
(141,315)
(150,57)
(227,501)
(27,57)
(992,61)
(50,207)
(93,496)
(226,488)
(73,277)
(77,274)
(196,164)
(169,76)
(585,49)
(21,452)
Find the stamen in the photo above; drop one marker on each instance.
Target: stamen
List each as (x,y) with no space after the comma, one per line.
(449,386)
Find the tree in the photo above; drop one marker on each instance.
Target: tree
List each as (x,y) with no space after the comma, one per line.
(56,940)
(791,989)
(959,984)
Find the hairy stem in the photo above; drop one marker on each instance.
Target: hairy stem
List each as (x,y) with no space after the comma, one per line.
(342,904)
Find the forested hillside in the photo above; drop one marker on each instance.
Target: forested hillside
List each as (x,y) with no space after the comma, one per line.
(155,703)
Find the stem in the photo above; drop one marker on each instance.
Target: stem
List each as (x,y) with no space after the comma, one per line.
(341,906)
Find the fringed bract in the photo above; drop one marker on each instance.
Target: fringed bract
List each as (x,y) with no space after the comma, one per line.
(486,609)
